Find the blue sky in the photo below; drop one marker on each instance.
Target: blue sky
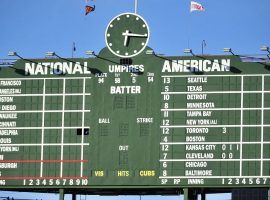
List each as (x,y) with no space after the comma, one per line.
(33,27)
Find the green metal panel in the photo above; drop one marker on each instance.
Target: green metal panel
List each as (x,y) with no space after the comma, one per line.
(161,122)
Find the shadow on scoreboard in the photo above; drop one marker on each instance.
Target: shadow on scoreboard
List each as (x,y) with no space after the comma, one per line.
(235,70)
(20,71)
(267,67)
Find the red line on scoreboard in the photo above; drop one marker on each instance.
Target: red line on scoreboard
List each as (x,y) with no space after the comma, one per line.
(43,161)
(44,177)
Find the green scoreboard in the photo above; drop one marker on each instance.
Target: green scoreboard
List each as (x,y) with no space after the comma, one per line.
(125,121)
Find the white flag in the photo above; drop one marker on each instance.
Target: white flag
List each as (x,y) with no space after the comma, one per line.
(194,6)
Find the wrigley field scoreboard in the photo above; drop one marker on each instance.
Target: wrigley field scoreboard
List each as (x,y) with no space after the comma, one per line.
(116,121)
(161,122)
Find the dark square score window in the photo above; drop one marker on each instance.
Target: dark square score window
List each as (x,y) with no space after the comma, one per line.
(84,131)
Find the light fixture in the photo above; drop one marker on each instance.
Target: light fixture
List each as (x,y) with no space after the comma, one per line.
(12,53)
(189,51)
(228,50)
(266,48)
(50,53)
(90,53)
(150,52)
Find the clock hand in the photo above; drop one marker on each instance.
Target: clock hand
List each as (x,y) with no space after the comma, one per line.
(128,34)
(133,34)
(126,37)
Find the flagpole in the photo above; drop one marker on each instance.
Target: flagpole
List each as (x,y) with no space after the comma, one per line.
(136,6)
(73,48)
(188,28)
(203,45)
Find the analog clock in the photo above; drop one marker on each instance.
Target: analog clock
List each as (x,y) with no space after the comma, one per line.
(127,35)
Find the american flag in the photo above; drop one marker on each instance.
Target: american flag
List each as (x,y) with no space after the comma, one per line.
(195,6)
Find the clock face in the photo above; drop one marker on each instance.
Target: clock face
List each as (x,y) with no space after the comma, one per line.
(127,35)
